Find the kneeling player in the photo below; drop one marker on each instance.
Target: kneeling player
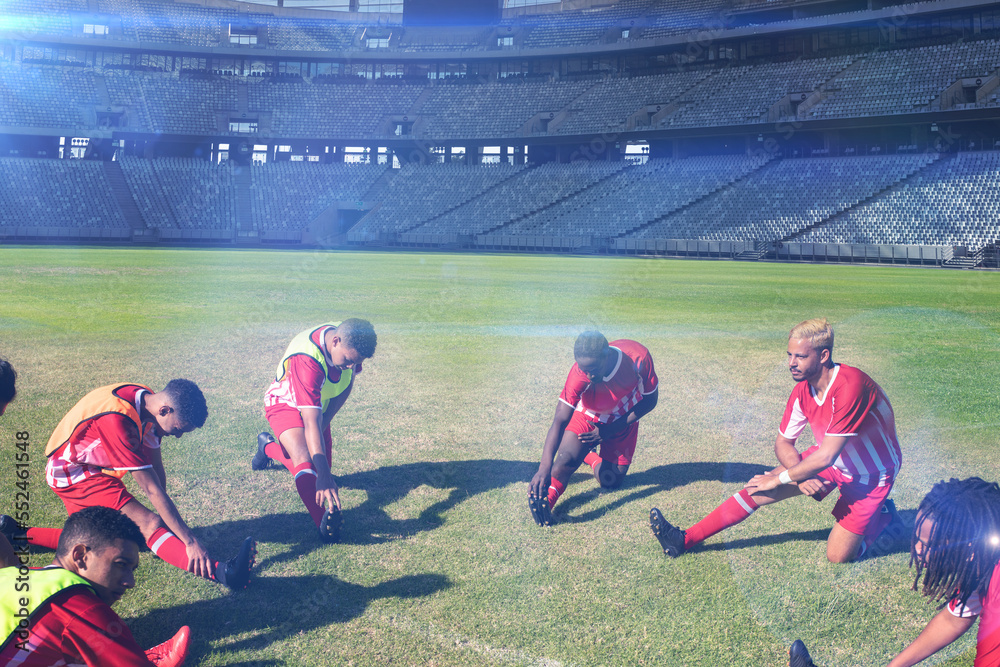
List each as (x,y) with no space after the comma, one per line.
(858,453)
(312,383)
(609,388)
(61,615)
(116,430)
(956,548)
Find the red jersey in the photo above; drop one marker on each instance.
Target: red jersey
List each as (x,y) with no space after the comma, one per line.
(107,442)
(76,628)
(856,407)
(988,610)
(632,377)
(302,386)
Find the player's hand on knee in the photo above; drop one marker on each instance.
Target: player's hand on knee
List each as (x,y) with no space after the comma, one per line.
(762,483)
(591,438)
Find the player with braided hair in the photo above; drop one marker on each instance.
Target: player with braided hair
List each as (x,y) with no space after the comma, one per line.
(609,388)
(955,550)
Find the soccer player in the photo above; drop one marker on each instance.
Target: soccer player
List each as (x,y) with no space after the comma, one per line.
(956,548)
(61,615)
(609,388)
(857,452)
(116,430)
(7,393)
(314,378)
(8,376)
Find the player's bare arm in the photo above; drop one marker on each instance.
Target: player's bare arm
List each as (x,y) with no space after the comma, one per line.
(539,485)
(156,459)
(943,629)
(326,488)
(805,469)
(198,560)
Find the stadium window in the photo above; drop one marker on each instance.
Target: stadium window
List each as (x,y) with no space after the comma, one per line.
(242,36)
(377,43)
(312,158)
(527,3)
(505,41)
(95,29)
(625,33)
(243,125)
(381,6)
(403,128)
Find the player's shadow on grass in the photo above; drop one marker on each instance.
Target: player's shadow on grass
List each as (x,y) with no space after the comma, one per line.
(651,482)
(273,609)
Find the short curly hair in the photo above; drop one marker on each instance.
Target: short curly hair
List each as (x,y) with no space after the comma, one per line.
(8,376)
(97,527)
(186,398)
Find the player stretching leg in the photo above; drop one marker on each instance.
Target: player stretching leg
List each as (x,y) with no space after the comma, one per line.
(858,453)
(116,430)
(956,548)
(609,388)
(313,381)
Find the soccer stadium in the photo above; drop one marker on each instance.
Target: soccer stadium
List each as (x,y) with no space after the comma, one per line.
(188,186)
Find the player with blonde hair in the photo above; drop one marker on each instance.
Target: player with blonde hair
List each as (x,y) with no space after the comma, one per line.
(857,452)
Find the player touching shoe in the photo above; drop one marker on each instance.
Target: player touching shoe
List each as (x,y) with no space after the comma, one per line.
(956,550)
(61,615)
(609,388)
(313,381)
(858,453)
(117,430)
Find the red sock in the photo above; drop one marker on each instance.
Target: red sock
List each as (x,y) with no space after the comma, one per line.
(44,537)
(170,549)
(305,484)
(275,451)
(729,513)
(593,460)
(556,489)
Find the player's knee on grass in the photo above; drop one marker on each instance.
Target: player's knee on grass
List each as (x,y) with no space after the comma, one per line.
(609,475)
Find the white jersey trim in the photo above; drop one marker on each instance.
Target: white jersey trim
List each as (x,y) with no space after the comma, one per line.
(617,363)
(829,386)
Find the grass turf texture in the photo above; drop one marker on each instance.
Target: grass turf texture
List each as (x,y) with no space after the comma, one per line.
(441,563)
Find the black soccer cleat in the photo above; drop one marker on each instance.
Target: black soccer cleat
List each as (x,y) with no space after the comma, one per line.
(260,459)
(798,655)
(235,572)
(329,525)
(11,529)
(670,537)
(540,510)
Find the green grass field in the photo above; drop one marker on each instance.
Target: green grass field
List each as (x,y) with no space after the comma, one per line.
(441,563)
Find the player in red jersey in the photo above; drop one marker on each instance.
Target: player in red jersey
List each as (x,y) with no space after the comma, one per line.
(609,388)
(313,381)
(116,430)
(61,615)
(956,549)
(858,452)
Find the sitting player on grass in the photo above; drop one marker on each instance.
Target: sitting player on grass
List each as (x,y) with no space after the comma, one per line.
(312,383)
(852,421)
(956,548)
(116,430)
(61,614)
(609,388)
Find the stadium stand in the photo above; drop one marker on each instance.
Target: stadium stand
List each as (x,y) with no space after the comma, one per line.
(179,193)
(419,193)
(290,195)
(955,201)
(36,96)
(56,193)
(786,196)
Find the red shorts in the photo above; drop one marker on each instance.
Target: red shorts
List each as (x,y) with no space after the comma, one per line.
(96,490)
(622,446)
(283,417)
(858,504)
